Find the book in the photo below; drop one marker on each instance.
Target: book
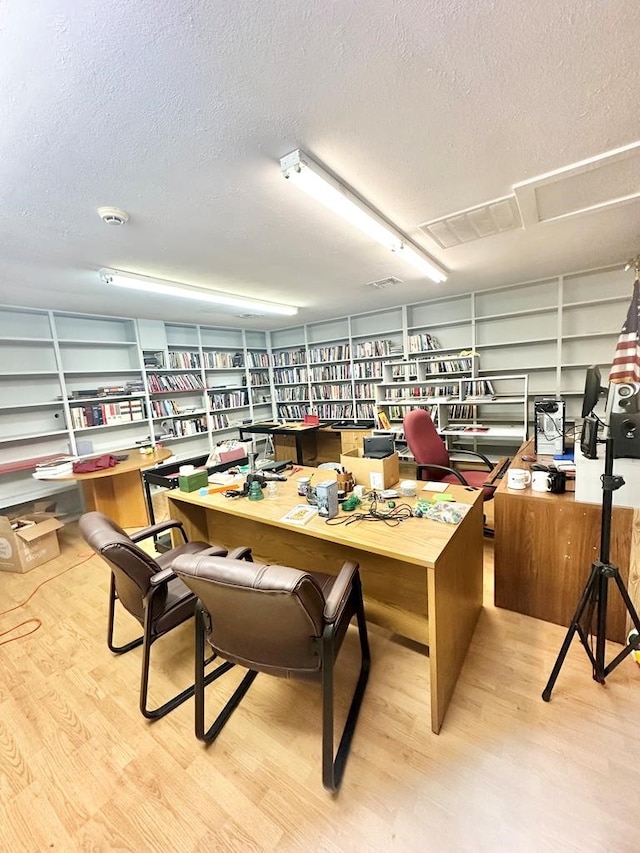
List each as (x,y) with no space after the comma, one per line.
(300,514)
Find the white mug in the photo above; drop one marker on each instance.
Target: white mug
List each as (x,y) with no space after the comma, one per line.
(540,481)
(518,478)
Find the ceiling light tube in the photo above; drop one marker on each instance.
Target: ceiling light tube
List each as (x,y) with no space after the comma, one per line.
(160,287)
(310,177)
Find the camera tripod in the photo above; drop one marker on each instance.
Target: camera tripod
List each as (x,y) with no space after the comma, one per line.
(594,597)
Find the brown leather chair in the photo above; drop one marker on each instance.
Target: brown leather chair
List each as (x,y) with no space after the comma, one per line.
(148,589)
(281,621)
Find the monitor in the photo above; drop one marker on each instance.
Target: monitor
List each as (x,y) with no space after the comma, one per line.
(592,390)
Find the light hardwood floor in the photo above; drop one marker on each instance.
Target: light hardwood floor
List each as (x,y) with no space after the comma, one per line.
(81,770)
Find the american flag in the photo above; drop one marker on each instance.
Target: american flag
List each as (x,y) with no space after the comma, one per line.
(626,361)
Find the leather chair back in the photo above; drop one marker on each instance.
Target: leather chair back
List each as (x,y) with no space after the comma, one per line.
(265,618)
(131,566)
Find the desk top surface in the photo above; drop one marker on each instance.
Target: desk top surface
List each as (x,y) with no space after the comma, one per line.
(134,462)
(527,449)
(415,540)
(276,427)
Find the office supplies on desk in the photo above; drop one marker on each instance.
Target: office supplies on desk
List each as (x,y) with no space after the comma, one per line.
(300,514)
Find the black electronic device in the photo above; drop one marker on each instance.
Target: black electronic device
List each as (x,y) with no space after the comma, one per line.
(378,446)
(592,390)
(274,465)
(589,437)
(549,416)
(623,419)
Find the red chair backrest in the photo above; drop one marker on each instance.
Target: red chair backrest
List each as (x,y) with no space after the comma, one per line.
(424,441)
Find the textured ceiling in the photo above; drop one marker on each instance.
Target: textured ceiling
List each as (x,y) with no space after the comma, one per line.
(178,112)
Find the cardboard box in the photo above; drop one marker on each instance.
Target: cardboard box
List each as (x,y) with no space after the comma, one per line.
(33,542)
(372,473)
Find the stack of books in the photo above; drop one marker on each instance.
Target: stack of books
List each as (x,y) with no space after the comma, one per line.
(61,467)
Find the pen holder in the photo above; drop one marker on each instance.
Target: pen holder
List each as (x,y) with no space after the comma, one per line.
(345,482)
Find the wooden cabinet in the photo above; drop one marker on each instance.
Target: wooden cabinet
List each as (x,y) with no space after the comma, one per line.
(545,545)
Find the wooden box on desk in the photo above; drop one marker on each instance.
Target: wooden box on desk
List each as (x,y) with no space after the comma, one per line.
(372,473)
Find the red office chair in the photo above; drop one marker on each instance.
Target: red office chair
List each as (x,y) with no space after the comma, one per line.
(432,456)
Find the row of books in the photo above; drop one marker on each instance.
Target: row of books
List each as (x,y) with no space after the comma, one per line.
(189,427)
(287,395)
(258,379)
(334,411)
(449,365)
(291,375)
(219,421)
(367,370)
(174,382)
(258,359)
(365,411)
(161,408)
(107,414)
(422,342)
(223,360)
(339,352)
(331,392)
(285,358)
(230,400)
(421,391)
(184,358)
(330,372)
(369,349)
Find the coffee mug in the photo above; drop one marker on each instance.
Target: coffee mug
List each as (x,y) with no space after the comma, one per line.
(541,481)
(558,482)
(518,478)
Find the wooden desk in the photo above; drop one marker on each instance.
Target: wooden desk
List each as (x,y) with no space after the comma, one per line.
(293,433)
(307,444)
(544,547)
(118,492)
(422,579)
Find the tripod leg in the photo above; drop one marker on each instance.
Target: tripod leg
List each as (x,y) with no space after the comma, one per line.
(598,671)
(573,627)
(634,618)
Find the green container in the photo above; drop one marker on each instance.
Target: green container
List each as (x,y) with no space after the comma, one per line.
(193,482)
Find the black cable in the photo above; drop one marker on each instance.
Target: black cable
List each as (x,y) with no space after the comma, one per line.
(392,518)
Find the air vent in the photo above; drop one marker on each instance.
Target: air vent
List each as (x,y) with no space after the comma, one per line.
(601,182)
(487,219)
(383,283)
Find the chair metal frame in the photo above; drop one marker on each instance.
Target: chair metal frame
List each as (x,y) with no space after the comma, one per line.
(332,765)
(149,634)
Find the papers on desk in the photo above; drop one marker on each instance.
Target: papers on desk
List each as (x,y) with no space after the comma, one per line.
(300,514)
(435,486)
(61,467)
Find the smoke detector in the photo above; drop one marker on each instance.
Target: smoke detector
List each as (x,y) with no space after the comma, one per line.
(113,215)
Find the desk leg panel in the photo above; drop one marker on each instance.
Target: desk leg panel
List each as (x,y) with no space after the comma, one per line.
(120,497)
(543,556)
(455,602)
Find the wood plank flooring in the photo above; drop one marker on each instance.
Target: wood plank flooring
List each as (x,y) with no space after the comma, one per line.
(81,770)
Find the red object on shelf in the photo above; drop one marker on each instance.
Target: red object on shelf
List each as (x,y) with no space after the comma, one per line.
(311,420)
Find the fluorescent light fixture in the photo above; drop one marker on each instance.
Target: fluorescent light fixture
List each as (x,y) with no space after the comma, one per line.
(160,287)
(310,177)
